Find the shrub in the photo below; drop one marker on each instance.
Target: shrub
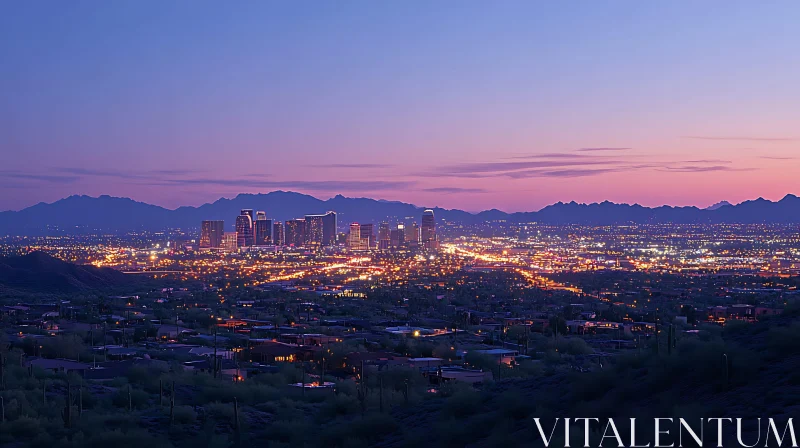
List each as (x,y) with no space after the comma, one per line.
(185,415)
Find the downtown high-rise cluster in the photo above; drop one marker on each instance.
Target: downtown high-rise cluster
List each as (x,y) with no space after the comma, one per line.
(255,231)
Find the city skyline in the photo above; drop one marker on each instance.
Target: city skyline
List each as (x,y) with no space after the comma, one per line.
(512,107)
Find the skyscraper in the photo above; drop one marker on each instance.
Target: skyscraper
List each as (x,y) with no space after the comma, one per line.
(384,236)
(244,228)
(354,237)
(412,234)
(262,230)
(321,229)
(277,233)
(401,235)
(367,236)
(428,233)
(211,234)
(230,242)
(295,233)
(313,230)
(329,229)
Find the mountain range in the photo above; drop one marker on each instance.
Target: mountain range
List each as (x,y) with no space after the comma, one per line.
(83,214)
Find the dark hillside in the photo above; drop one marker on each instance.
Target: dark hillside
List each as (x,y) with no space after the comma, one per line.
(42,273)
(690,383)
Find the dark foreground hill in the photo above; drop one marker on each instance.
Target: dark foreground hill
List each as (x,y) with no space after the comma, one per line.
(38,272)
(691,382)
(84,214)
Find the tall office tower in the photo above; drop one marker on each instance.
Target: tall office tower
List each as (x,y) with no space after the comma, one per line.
(428,232)
(412,234)
(313,228)
(295,234)
(260,216)
(244,228)
(384,236)
(329,229)
(262,231)
(230,241)
(367,236)
(394,238)
(321,229)
(211,234)
(354,238)
(277,233)
(248,212)
(401,235)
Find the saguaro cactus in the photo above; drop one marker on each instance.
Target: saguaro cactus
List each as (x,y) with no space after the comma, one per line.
(669,339)
(172,405)
(2,372)
(66,413)
(725,371)
(236,427)
(380,391)
(658,342)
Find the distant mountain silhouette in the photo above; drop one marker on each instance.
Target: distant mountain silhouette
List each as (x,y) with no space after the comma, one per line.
(39,272)
(82,214)
(718,205)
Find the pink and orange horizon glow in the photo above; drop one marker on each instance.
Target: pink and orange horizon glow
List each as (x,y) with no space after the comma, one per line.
(472,106)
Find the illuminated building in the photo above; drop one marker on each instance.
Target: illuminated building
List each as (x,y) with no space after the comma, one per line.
(211,234)
(412,235)
(295,232)
(262,230)
(367,236)
(384,236)
(428,231)
(277,233)
(329,229)
(230,241)
(244,228)
(321,229)
(401,235)
(356,239)
(313,230)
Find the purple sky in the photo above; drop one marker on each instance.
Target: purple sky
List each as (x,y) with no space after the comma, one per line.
(468,105)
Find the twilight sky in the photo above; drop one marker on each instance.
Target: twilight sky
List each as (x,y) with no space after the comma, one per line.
(511,105)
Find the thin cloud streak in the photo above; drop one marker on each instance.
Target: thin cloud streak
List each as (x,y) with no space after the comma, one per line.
(561,173)
(708,161)
(53,178)
(702,169)
(488,168)
(743,139)
(551,155)
(356,165)
(322,185)
(146,175)
(602,149)
(451,190)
